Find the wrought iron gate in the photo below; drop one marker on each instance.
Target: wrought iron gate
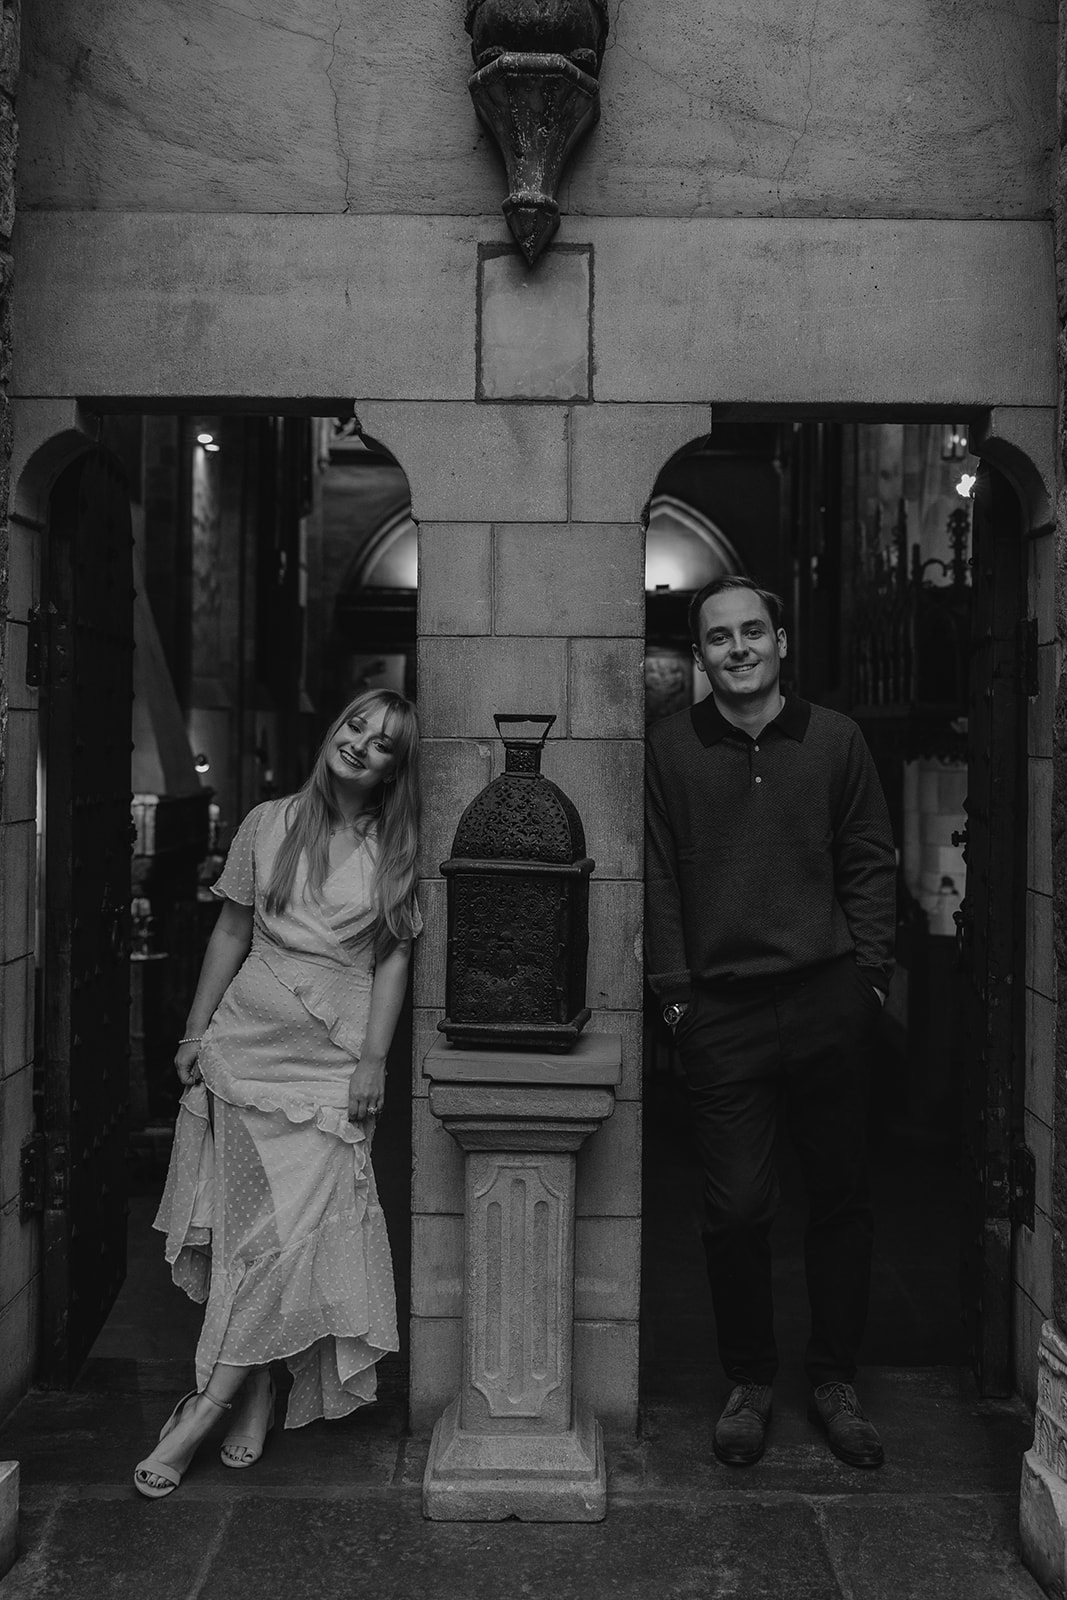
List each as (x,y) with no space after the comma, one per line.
(82,647)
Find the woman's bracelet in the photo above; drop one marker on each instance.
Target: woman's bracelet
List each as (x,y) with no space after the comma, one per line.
(193,1038)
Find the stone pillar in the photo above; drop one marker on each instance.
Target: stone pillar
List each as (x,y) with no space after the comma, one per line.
(515,1442)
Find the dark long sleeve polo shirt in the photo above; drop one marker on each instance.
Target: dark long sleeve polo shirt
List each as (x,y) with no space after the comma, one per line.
(764,856)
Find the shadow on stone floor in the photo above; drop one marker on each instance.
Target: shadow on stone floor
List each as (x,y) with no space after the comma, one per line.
(333,1510)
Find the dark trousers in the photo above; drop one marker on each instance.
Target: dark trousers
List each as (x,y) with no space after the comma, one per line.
(802,1045)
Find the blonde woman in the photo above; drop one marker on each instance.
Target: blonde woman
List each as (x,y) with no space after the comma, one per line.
(270,1208)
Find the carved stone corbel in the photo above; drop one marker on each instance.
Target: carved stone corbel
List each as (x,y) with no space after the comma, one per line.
(536,90)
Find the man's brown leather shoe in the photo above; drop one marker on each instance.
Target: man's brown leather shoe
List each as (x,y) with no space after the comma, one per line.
(741,1431)
(835,1409)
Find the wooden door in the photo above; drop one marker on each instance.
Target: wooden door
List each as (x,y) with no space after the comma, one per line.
(991,920)
(84,640)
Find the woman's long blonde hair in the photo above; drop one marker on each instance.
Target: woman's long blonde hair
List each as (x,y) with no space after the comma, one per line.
(313,815)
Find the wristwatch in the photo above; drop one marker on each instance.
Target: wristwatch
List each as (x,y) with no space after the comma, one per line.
(673,1014)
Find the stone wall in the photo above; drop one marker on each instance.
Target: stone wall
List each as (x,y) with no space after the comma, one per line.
(18,1244)
(742,108)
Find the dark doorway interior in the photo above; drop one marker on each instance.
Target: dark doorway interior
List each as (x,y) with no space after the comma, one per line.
(275,577)
(865,531)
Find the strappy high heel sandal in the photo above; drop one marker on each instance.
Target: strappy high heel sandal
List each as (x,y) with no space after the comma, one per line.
(163,1469)
(249,1442)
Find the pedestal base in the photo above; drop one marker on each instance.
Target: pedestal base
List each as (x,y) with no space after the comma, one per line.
(9,1514)
(546,1477)
(1043,1523)
(1043,1491)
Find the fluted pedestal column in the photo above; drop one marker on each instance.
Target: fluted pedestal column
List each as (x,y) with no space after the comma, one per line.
(514,1443)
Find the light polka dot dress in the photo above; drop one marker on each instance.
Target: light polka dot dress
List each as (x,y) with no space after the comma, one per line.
(270,1207)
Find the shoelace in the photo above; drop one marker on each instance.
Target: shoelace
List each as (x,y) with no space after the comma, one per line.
(845,1397)
(748,1397)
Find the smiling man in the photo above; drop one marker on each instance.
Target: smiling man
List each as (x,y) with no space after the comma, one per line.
(770,880)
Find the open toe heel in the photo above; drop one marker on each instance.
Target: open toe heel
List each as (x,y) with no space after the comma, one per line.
(243,1446)
(151,1466)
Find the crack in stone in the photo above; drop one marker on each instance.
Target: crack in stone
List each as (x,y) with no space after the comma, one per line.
(811,103)
(346,159)
(267,22)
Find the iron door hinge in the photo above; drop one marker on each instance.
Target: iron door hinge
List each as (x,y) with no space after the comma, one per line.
(36,648)
(48,647)
(31,1176)
(57,1186)
(1023,1178)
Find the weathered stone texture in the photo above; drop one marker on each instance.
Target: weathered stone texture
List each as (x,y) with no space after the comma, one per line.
(16,1015)
(604,779)
(534,329)
(436,1368)
(18,800)
(18,860)
(383,308)
(453,771)
(455,578)
(255,306)
(429,979)
(606,688)
(618,451)
(476,463)
(800,314)
(10,27)
(553,579)
(734,109)
(463,683)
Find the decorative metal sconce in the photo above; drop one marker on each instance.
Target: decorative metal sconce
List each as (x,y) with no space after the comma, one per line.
(536,90)
(518,909)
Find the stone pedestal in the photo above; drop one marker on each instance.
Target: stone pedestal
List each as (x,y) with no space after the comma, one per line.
(9,1514)
(514,1443)
(1043,1492)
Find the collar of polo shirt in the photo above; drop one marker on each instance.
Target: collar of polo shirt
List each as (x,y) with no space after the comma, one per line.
(711,726)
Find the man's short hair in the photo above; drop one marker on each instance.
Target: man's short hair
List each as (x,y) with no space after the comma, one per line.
(732,580)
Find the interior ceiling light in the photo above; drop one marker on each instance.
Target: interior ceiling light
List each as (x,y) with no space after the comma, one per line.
(965,487)
(205,438)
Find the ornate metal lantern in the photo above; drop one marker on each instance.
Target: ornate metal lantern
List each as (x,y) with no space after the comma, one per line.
(518,909)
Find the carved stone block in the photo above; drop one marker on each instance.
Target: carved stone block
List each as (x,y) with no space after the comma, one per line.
(536,90)
(1043,1491)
